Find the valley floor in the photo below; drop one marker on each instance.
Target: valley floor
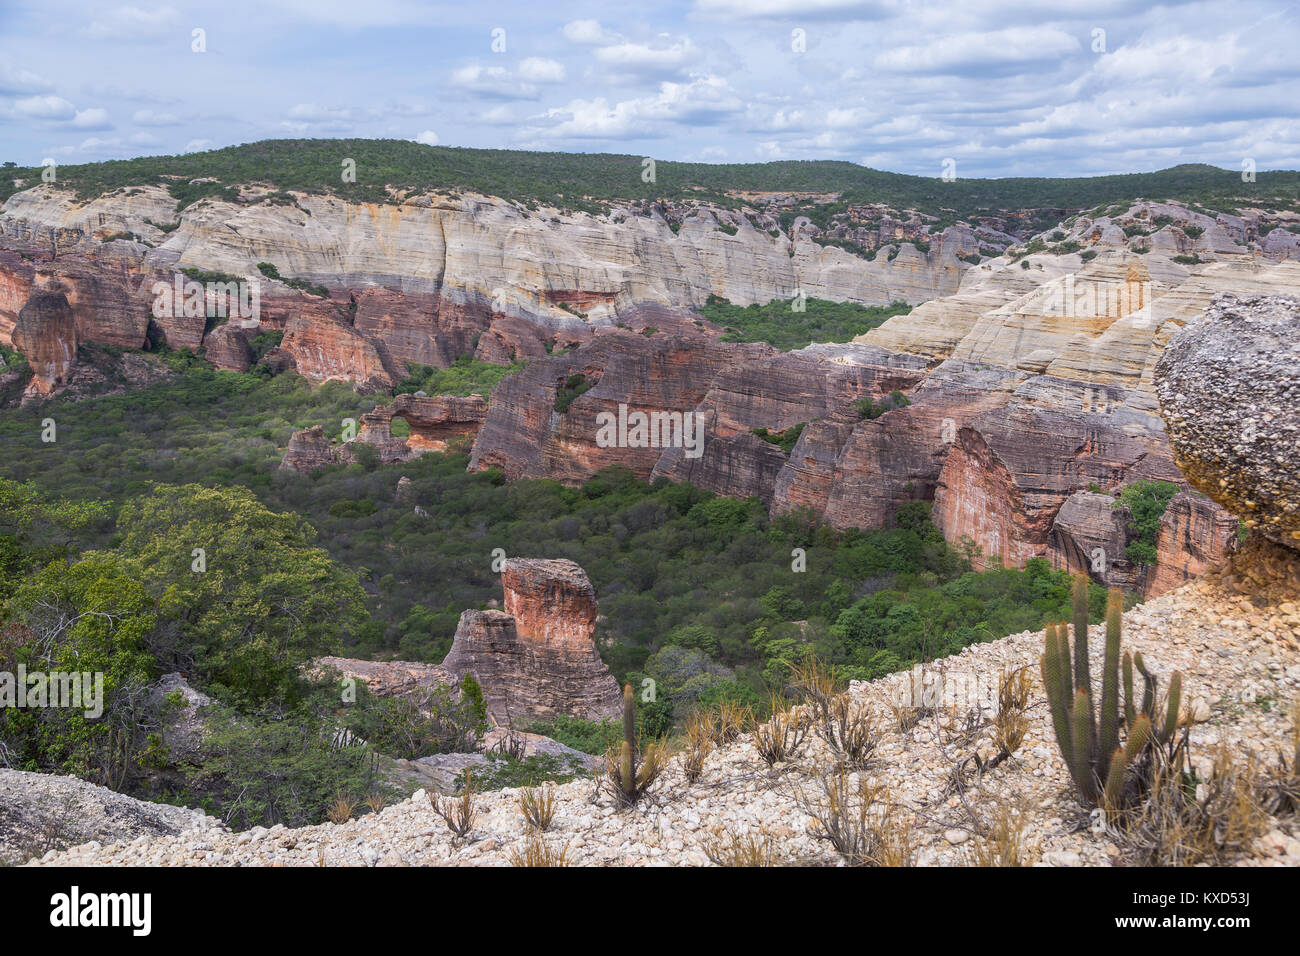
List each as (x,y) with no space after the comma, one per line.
(1241,680)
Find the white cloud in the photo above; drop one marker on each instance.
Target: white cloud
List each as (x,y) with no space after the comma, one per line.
(94,118)
(154,118)
(492,81)
(796,9)
(135,23)
(14,79)
(588,32)
(975,51)
(45,107)
(704,100)
(428,138)
(536,69)
(649,59)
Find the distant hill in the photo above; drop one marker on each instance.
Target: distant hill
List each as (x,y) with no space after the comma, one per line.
(591,181)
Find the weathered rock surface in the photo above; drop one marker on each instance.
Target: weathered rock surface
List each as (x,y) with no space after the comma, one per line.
(46,335)
(308,450)
(40,813)
(1195,535)
(536,660)
(227,347)
(409,680)
(434,421)
(1011,469)
(1230,396)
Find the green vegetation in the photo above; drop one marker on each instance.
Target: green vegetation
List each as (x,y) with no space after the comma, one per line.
(465,376)
(592,181)
(1146,502)
(868,408)
(573,386)
(710,597)
(777,323)
(269,270)
(784,440)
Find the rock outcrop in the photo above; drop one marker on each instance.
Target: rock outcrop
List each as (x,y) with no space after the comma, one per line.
(1195,535)
(409,680)
(1230,397)
(434,421)
(537,660)
(46,335)
(308,450)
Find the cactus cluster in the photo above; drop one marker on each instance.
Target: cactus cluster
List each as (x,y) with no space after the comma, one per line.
(1090,739)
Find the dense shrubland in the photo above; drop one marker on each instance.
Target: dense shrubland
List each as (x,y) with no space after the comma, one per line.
(696,592)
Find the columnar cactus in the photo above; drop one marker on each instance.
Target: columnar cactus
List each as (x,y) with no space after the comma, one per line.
(1092,750)
(632,777)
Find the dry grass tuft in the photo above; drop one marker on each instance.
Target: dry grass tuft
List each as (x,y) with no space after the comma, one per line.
(1004,842)
(783,735)
(538,807)
(376,801)
(1280,786)
(1011,723)
(728,720)
(457,812)
(860,820)
(340,809)
(725,848)
(699,744)
(535,852)
(1185,821)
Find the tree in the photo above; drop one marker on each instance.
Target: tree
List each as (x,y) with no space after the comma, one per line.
(89,617)
(250,597)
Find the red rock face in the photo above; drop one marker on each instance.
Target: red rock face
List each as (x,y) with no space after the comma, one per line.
(858,474)
(105,301)
(326,349)
(537,660)
(1011,470)
(1195,535)
(1090,533)
(16,275)
(227,347)
(552,602)
(46,335)
(526,437)
(778,391)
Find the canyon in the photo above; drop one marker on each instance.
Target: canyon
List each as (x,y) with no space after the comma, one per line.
(1028,377)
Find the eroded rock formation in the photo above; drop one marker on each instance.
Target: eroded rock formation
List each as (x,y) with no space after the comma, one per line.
(536,660)
(46,335)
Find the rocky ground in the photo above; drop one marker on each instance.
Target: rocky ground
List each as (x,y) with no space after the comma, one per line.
(1241,673)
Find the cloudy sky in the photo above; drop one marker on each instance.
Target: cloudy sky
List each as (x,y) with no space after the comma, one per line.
(1001,87)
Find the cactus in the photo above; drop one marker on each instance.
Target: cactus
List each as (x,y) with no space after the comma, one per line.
(631,778)
(627,754)
(1089,741)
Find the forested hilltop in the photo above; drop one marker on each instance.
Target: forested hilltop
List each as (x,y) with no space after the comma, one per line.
(593,180)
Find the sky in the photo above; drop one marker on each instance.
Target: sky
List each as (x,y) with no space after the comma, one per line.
(992,87)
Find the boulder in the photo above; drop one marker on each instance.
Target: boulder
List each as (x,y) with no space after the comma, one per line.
(1229,394)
